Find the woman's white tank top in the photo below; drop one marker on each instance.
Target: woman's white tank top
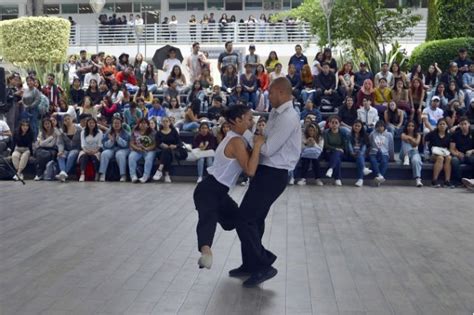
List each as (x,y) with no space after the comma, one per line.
(226,171)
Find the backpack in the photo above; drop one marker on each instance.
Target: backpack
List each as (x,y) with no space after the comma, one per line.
(52,169)
(6,172)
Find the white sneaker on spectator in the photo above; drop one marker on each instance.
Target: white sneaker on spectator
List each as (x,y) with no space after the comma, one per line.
(292,181)
(167,179)
(123,179)
(359,183)
(102,178)
(367,171)
(62,176)
(379,179)
(143,179)
(418,182)
(134,179)
(15,178)
(301,182)
(20,175)
(199,179)
(319,182)
(468,182)
(329,172)
(82,178)
(97,176)
(37,178)
(158,175)
(338,182)
(406,160)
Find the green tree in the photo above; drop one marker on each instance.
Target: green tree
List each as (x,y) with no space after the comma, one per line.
(358,23)
(450,19)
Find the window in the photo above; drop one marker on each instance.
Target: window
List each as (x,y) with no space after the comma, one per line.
(108,8)
(296,3)
(85,8)
(177,5)
(51,9)
(69,9)
(233,5)
(253,4)
(137,7)
(215,4)
(195,5)
(9,10)
(123,7)
(286,4)
(151,6)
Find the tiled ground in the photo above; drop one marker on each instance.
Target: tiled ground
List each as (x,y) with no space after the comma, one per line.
(131,249)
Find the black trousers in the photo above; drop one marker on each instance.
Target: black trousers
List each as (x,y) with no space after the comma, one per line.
(166,158)
(266,186)
(85,158)
(214,205)
(305,167)
(43,156)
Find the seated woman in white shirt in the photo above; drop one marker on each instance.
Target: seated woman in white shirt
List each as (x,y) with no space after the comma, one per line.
(312,147)
(91,145)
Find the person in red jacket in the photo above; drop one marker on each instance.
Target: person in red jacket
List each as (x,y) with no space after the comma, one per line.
(127,78)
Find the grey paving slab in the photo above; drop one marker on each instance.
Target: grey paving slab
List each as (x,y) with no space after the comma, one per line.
(98,248)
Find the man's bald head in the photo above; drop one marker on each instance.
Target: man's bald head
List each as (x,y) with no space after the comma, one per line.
(280,91)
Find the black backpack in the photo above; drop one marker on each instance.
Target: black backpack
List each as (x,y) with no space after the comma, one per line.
(6,172)
(9,100)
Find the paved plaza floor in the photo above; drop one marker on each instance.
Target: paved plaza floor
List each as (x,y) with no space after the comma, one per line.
(94,248)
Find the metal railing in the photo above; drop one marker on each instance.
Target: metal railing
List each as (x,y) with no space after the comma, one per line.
(274,33)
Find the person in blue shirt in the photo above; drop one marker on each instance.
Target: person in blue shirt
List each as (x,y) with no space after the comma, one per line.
(310,110)
(156,111)
(298,59)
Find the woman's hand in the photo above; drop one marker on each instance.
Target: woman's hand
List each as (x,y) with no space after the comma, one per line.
(258,140)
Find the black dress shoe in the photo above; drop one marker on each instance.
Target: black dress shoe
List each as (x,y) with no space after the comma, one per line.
(239,272)
(258,277)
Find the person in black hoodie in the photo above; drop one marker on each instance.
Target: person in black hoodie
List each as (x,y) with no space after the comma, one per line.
(23,141)
(326,85)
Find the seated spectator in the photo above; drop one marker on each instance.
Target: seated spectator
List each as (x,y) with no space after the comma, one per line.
(93,75)
(157,111)
(171,92)
(310,110)
(91,145)
(142,106)
(47,148)
(312,147)
(132,115)
(470,112)
(168,141)
(368,115)
(454,93)
(277,73)
(249,83)
(326,85)
(107,108)
(123,62)
(357,146)
(204,141)
(346,80)
(207,81)
(398,75)
(271,61)
(348,114)
(180,79)
(127,78)
(416,72)
(393,118)
(198,95)
(139,66)
(191,119)
(468,83)
(215,111)
(453,113)
(462,149)
(171,62)
(69,145)
(64,109)
(334,147)
(238,97)
(432,77)
(149,78)
(381,151)
(438,142)
(316,65)
(88,108)
(93,92)
(409,153)
(384,73)
(307,85)
(401,97)
(143,92)
(431,115)
(295,80)
(229,79)
(108,71)
(216,91)
(382,96)
(263,82)
(142,146)
(362,75)
(116,145)
(116,94)
(463,60)
(103,89)
(440,91)
(175,112)
(453,74)
(23,143)
(222,131)
(327,58)
(76,94)
(366,91)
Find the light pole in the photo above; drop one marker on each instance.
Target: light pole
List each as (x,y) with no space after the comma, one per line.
(327,6)
(97,6)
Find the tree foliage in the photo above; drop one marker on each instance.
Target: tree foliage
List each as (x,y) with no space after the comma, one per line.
(450,19)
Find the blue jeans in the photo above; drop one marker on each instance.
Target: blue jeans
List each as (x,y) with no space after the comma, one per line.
(335,158)
(135,156)
(415,158)
(360,165)
(456,166)
(120,158)
(305,96)
(190,126)
(68,160)
(200,164)
(152,88)
(252,98)
(266,101)
(375,159)
(394,131)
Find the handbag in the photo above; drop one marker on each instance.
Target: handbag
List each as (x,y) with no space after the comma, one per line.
(311,153)
(199,154)
(440,151)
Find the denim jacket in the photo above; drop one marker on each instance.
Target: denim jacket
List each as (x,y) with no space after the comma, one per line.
(121,142)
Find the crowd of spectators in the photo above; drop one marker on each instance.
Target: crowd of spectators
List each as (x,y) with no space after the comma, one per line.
(115,109)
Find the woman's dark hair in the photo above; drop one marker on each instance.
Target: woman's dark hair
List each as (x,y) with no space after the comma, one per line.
(202,124)
(234,112)
(174,75)
(431,78)
(142,92)
(379,123)
(415,130)
(267,62)
(87,130)
(362,132)
(395,63)
(399,80)
(148,130)
(317,128)
(90,85)
(440,121)
(29,132)
(414,70)
(150,71)
(437,87)
(43,121)
(392,114)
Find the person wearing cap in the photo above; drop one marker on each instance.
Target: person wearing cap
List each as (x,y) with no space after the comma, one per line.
(384,73)
(252,59)
(360,76)
(431,115)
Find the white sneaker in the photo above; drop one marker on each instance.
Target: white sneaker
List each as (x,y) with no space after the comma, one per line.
(301,182)
(167,179)
(367,171)
(158,175)
(205,261)
(62,176)
(134,179)
(338,182)
(319,182)
(15,178)
(199,179)
(21,176)
(123,179)
(143,179)
(359,183)
(82,178)
(37,178)
(406,160)
(292,181)
(329,172)
(102,178)
(418,182)
(379,180)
